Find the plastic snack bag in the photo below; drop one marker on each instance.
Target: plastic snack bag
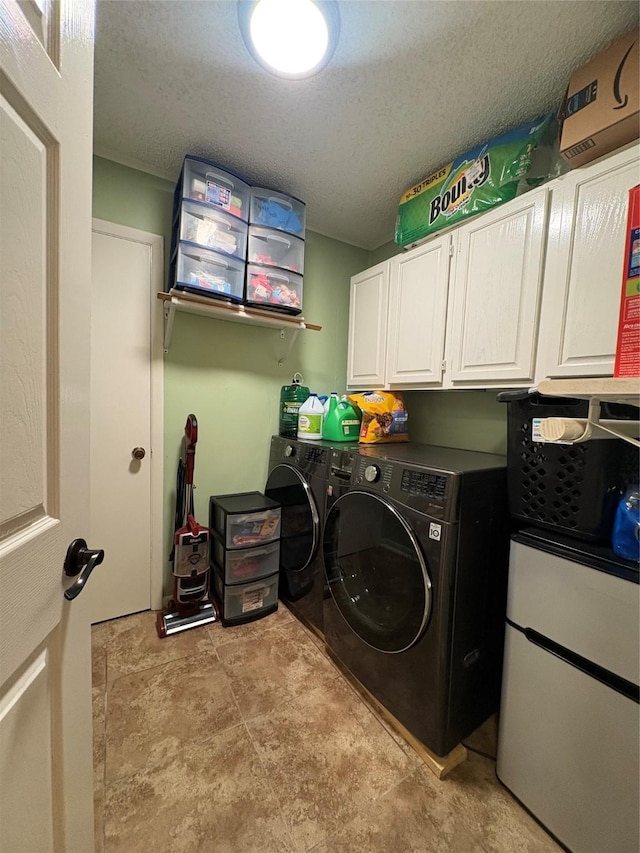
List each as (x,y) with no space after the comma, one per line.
(384,416)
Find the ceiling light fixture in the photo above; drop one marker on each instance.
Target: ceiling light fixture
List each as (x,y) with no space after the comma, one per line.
(290,38)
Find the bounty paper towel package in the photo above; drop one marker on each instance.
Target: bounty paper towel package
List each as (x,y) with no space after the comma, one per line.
(478,180)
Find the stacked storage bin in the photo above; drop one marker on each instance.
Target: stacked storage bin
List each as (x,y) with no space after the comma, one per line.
(209,237)
(245,555)
(276,251)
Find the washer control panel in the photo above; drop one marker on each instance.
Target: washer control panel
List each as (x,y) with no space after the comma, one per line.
(305,456)
(423,489)
(342,464)
(374,473)
(423,483)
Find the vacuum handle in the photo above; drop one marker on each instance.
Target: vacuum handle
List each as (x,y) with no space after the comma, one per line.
(191,430)
(191,437)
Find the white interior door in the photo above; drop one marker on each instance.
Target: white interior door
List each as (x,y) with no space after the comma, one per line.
(126,414)
(46,102)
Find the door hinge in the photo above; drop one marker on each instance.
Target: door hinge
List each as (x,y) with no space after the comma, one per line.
(444,366)
(450,248)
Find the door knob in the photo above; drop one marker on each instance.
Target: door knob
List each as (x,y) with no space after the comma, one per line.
(138,452)
(80,561)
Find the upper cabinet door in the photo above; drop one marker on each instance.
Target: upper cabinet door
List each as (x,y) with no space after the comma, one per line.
(496,290)
(368,327)
(583,276)
(417,314)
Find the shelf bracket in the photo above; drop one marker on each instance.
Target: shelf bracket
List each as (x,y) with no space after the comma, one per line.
(579,430)
(206,307)
(292,340)
(169,316)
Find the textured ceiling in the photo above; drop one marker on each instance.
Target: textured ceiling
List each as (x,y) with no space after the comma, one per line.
(411,85)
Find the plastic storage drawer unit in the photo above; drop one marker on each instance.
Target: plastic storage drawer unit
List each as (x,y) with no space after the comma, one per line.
(244,519)
(268,287)
(277,210)
(245,602)
(202,271)
(245,564)
(275,249)
(203,180)
(205,226)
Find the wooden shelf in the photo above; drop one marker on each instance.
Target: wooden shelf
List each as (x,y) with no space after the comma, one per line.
(598,390)
(177,300)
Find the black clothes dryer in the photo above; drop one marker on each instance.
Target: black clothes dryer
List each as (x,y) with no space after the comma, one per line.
(297,479)
(415,551)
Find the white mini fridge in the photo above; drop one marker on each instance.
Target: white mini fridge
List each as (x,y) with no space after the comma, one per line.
(569,735)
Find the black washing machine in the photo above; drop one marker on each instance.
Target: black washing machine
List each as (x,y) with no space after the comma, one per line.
(415,550)
(297,479)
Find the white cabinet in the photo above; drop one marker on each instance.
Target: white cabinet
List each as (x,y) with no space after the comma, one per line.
(496,294)
(397,319)
(410,312)
(367,346)
(532,290)
(417,314)
(583,276)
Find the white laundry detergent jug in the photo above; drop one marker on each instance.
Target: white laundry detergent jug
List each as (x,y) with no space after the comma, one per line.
(310,417)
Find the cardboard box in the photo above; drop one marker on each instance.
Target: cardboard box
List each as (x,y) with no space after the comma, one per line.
(601,110)
(628,346)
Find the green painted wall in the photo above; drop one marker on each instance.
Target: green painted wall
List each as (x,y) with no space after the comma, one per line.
(132,198)
(473,420)
(228,373)
(383,253)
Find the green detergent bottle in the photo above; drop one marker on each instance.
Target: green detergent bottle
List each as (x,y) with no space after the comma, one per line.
(341,422)
(291,398)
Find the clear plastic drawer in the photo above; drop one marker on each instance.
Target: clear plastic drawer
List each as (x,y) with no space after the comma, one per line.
(268,287)
(242,602)
(212,229)
(277,210)
(275,249)
(244,519)
(203,271)
(246,564)
(205,181)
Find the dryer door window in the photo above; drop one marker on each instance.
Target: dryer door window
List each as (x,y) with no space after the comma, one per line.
(299,525)
(376,572)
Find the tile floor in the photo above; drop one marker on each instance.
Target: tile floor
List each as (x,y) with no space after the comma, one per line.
(249,740)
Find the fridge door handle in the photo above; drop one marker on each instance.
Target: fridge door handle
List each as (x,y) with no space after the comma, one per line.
(588,667)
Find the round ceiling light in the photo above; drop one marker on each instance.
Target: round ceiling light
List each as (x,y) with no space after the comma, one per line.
(290,38)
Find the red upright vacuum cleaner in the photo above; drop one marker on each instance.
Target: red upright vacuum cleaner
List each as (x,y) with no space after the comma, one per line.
(190,605)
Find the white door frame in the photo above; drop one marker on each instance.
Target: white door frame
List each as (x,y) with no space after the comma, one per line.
(156,246)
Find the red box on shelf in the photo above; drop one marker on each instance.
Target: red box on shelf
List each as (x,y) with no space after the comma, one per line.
(628,346)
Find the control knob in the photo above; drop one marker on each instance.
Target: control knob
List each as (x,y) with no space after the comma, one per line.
(371,473)
(289,451)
